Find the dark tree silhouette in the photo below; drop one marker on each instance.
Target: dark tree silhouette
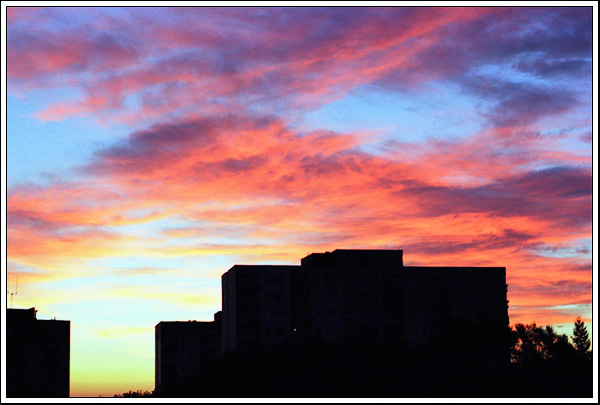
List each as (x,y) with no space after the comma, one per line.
(532,343)
(581,339)
(134,394)
(549,363)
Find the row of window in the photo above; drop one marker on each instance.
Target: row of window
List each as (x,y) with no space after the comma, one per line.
(280,332)
(418,329)
(275,314)
(280,297)
(321,297)
(279,279)
(282,314)
(273,279)
(277,297)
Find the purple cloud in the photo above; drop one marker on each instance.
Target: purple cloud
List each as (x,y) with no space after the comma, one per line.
(560,195)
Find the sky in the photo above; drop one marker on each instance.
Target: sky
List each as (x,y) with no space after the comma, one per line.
(148,150)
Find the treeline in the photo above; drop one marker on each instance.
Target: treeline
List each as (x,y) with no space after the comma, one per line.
(547,364)
(533,362)
(134,394)
(532,344)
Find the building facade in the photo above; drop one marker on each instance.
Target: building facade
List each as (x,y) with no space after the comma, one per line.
(364,297)
(37,355)
(358,292)
(183,350)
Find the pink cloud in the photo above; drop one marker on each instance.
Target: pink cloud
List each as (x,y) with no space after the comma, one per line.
(254,178)
(16,14)
(268,64)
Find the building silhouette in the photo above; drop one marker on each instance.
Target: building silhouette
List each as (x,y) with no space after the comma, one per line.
(366,295)
(37,355)
(348,292)
(183,350)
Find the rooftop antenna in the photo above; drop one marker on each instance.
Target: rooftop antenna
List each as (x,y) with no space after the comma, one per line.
(14,293)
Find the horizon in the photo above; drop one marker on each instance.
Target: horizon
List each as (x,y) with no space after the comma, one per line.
(150,149)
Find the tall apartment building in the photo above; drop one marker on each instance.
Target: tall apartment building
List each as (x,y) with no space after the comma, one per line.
(37,355)
(347,292)
(368,294)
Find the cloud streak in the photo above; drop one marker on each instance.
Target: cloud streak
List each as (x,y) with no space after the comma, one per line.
(305,190)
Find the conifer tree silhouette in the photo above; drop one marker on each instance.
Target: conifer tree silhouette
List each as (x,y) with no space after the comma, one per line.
(581,338)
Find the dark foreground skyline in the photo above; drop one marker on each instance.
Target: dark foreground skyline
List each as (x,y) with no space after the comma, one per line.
(347,323)
(358,323)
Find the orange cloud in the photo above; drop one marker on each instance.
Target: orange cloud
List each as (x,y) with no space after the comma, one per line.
(254,179)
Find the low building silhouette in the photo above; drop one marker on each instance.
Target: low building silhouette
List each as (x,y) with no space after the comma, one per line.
(183,350)
(37,355)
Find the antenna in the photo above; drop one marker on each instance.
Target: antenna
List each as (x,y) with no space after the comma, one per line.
(15,293)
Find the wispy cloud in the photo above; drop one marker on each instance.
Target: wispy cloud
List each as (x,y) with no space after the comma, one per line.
(304,190)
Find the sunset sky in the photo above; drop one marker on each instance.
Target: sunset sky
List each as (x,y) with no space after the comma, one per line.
(151,149)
